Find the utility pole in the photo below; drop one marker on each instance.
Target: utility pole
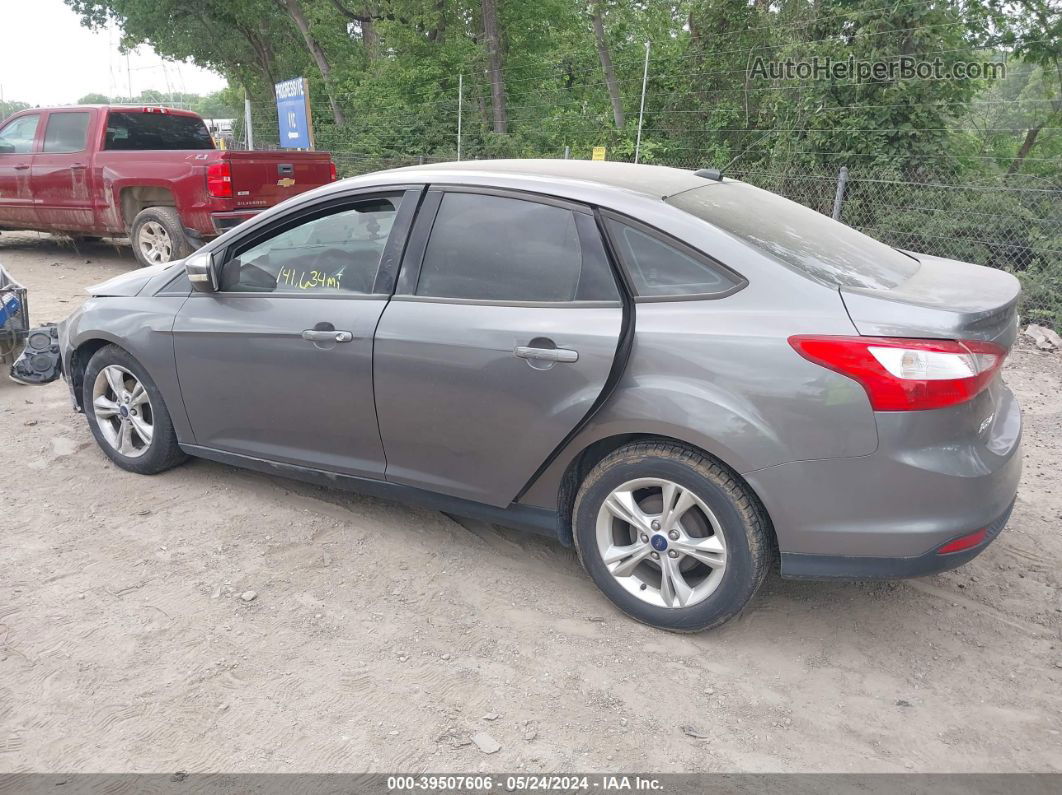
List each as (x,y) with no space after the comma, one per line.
(641,110)
(247,121)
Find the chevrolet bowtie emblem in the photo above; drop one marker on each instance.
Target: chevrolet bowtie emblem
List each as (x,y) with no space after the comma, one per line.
(287,182)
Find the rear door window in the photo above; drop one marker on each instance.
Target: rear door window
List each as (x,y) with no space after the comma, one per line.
(17,136)
(66,132)
(800,238)
(495,248)
(142,131)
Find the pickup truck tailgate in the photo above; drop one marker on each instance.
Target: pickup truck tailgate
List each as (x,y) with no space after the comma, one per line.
(262,179)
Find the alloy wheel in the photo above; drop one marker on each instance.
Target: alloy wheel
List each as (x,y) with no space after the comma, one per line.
(123,411)
(661,542)
(155,243)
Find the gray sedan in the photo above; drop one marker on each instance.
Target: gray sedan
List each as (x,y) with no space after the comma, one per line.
(690,379)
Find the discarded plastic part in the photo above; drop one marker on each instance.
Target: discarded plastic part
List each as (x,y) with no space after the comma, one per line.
(710,173)
(40,362)
(14,316)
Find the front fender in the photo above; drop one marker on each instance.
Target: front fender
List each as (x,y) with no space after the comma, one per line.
(142,326)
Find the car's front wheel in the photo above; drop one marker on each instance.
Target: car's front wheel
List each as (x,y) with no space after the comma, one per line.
(671,536)
(127,415)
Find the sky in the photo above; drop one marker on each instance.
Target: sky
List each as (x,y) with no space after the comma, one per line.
(48,58)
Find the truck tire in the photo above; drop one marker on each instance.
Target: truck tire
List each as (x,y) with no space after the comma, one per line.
(158,236)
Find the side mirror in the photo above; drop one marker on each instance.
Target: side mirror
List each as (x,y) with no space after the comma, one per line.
(6,148)
(202,272)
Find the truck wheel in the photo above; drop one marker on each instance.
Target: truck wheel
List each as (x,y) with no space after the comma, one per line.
(158,236)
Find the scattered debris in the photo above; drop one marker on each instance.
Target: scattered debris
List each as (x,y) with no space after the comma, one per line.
(596,619)
(485,743)
(694,732)
(30,422)
(1044,338)
(249,596)
(453,738)
(446,657)
(216,593)
(491,716)
(904,703)
(530,731)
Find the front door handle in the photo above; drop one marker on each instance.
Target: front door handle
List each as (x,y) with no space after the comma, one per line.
(315,335)
(546,354)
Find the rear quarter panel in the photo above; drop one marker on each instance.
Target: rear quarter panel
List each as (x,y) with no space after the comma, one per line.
(182,173)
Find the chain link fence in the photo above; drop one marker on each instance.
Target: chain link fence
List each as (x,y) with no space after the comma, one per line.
(1011,222)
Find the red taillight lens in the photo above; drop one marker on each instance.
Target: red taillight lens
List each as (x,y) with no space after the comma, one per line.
(334,175)
(219,180)
(963,542)
(904,374)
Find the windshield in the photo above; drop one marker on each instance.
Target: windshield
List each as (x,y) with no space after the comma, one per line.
(813,243)
(139,131)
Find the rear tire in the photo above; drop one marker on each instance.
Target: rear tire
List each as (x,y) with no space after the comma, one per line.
(686,568)
(127,415)
(158,236)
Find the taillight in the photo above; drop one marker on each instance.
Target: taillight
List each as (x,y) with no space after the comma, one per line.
(219,180)
(906,374)
(333,171)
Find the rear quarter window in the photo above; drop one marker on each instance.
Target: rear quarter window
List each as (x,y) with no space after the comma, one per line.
(810,242)
(659,268)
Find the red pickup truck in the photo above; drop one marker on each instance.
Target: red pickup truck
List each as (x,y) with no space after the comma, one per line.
(149,173)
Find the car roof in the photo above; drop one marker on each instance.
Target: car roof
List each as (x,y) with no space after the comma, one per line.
(654,181)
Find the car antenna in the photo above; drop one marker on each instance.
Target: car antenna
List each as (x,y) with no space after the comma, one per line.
(710,173)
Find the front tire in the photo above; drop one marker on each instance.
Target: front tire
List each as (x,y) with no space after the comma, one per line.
(127,415)
(158,236)
(671,536)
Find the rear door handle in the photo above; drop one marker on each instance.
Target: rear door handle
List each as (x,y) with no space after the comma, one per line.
(313,335)
(21,168)
(547,354)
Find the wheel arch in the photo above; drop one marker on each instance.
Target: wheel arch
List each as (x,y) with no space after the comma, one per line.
(79,359)
(580,465)
(134,199)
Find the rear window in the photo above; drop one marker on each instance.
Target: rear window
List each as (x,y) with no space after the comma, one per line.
(138,131)
(803,239)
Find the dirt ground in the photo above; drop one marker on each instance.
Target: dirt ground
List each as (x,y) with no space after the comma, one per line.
(384,637)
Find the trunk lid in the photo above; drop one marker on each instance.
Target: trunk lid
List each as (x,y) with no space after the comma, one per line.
(262,179)
(943,299)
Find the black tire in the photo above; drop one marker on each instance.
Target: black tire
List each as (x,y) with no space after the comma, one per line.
(169,220)
(743,524)
(163,451)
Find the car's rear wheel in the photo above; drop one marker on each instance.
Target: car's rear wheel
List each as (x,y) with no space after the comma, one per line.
(158,236)
(127,415)
(671,536)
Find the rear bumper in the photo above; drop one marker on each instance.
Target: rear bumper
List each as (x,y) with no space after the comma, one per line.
(934,477)
(223,222)
(839,567)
